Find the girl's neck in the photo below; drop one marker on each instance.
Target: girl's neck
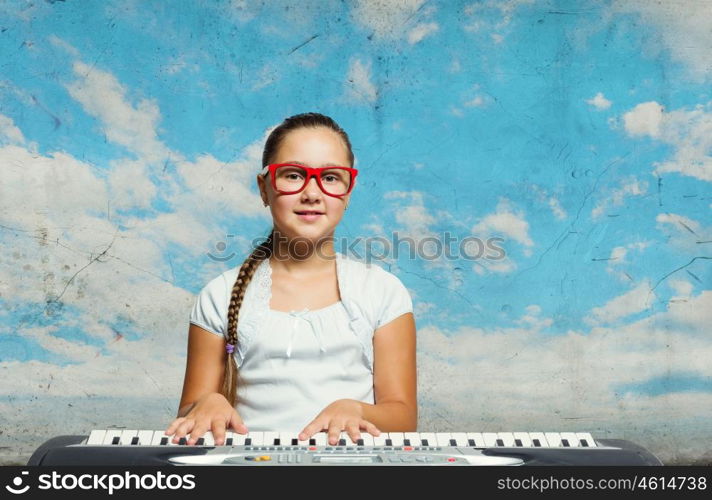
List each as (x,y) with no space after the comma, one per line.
(303,258)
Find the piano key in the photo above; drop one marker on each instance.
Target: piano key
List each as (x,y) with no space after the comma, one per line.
(507,438)
(110,435)
(477,438)
(540,438)
(269,438)
(442,438)
(459,437)
(587,438)
(287,439)
(490,439)
(257,438)
(127,436)
(396,438)
(144,437)
(238,439)
(96,437)
(524,438)
(554,439)
(413,438)
(380,440)
(571,438)
(367,438)
(429,437)
(321,439)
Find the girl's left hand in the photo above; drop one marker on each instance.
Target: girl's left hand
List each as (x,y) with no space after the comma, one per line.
(343,414)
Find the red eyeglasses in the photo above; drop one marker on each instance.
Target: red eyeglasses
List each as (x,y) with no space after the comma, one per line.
(290,178)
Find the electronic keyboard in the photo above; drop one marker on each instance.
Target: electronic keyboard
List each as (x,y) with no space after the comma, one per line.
(148,447)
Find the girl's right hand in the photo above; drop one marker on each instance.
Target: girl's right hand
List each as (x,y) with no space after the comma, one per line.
(213,413)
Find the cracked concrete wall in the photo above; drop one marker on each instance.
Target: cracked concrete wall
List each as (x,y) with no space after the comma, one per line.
(540,169)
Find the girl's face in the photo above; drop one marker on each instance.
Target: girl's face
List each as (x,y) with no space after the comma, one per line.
(314,147)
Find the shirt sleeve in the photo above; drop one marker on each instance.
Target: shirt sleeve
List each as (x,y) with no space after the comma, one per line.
(395,299)
(209,310)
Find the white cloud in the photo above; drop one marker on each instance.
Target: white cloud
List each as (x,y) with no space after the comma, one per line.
(689,131)
(64,45)
(685,28)
(476,13)
(551,201)
(617,261)
(629,187)
(421,31)
(505,221)
(644,119)
(683,233)
(599,102)
(388,19)
(9,131)
(634,301)
(359,85)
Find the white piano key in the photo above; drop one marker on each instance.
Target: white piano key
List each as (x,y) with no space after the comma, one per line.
(442,438)
(571,438)
(127,436)
(507,438)
(96,437)
(490,439)
(524,438)
(396,438)
(367,438)
(257,438)
(111,434)
(587,437)
(268,438)
(412,437)
(158,436)
(541,437)
(554,439)
(380,440)
(237,438)
(477,438)
(321,439)
(459,437)
(429,437)
(285,438)
(208,439)
(145,437)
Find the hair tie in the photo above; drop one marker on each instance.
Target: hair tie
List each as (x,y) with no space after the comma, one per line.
(229,348)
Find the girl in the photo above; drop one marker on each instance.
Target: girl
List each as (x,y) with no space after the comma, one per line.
(321,342)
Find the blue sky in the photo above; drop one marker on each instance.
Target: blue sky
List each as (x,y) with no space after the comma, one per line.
(579,132)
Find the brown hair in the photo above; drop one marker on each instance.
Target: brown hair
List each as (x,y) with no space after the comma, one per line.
(264,250)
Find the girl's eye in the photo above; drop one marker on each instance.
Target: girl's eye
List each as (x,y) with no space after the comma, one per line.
(330,178)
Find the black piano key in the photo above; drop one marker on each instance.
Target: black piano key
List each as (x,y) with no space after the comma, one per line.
(276,441)
(248,441)
(295,442)
(182,440)
(406,442)
(342,442)
(228,441)
(453,442)
(518,442)
(200,442)
(164,441)
(471,442)
(312,442)
(500,442)
(359,442)
(389,442)
(536,443)
(565,442)
(584,443)
(134,440)
(424,442)
(116,440)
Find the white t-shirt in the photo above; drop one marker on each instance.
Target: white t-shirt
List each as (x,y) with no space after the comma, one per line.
(294,364)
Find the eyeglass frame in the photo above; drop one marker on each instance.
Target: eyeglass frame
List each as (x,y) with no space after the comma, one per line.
(311,172)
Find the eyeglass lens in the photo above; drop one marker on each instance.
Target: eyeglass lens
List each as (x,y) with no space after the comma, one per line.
(292,178)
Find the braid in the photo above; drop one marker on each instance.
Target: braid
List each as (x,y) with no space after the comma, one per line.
(244,276)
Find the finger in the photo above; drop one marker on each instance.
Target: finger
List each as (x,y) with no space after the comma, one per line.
(172,427)
(183,429)
(352,428)
(334,432)
(371,428)
(198,431)
(237,423)
(311,428)
(218,427)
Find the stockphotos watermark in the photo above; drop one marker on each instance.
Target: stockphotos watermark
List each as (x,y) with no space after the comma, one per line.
(379,248)
(110,483)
